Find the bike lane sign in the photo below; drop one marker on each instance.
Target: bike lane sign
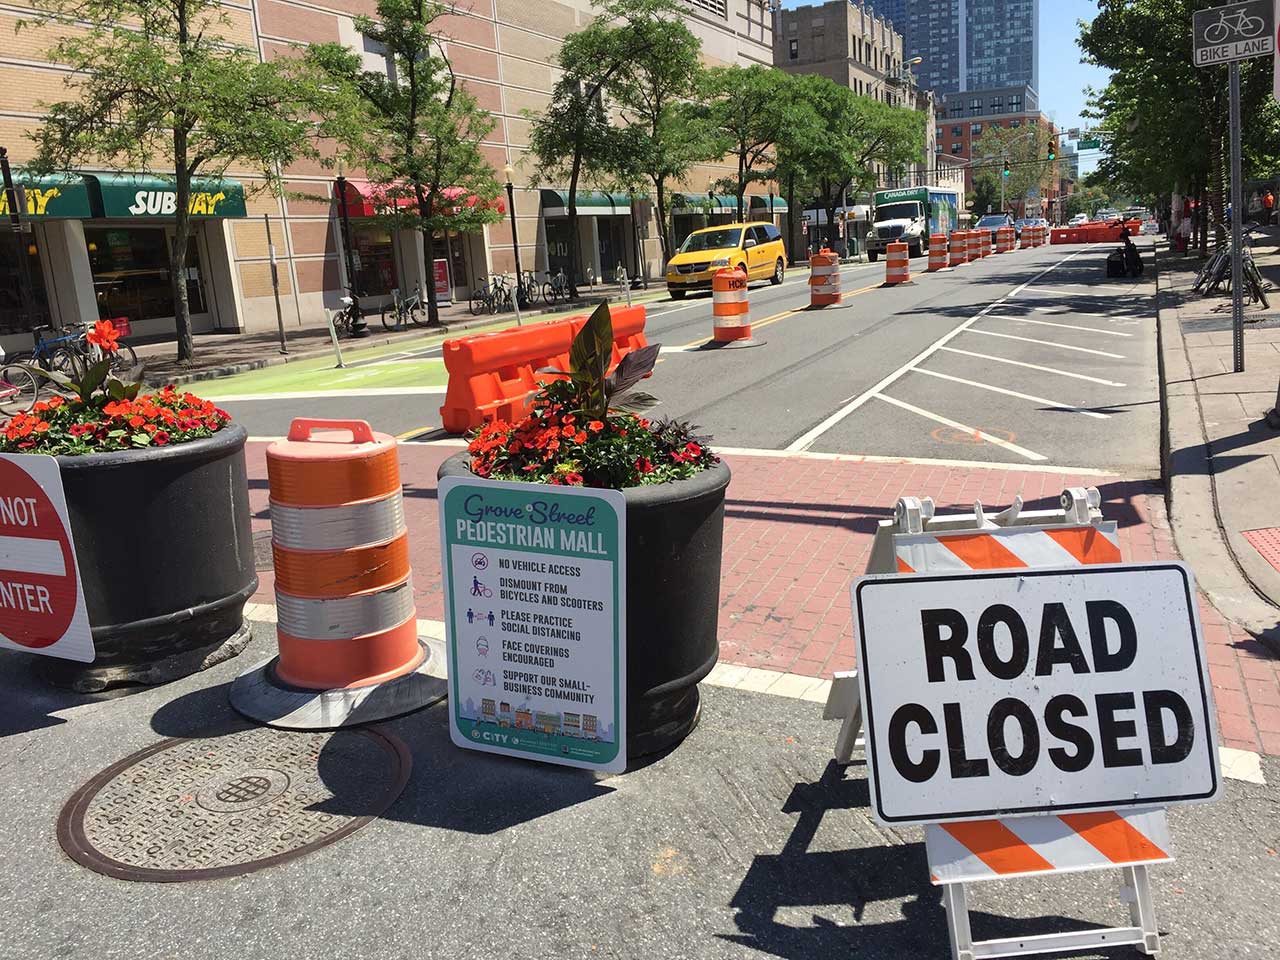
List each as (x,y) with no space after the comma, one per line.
(535,614)
(1237,31)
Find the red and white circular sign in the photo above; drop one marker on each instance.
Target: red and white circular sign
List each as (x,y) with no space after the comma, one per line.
(39,586)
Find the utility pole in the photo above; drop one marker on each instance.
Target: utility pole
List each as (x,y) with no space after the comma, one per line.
(25,294)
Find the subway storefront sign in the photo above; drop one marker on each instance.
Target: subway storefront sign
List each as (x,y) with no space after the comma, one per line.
(58,197)
(128,197)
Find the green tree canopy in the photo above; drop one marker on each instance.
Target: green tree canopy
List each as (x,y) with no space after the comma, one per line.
(1026,149)
(157,86)
(747,109)
(413,128)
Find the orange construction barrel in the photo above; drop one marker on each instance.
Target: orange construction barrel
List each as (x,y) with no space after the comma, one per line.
(824,279)
(347,629)
(897,264)
(731,310)
(959,248)
(937,252)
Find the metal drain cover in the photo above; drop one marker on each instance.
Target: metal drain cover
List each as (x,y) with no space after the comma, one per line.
(200,809)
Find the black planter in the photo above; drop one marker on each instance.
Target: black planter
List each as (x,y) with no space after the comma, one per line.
(675,532)
(166,557)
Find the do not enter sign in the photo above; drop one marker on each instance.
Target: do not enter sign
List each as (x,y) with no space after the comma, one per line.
(1034,691)
(42,607)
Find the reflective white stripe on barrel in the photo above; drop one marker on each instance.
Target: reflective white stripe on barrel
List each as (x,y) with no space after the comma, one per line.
(345,617)
(338,528)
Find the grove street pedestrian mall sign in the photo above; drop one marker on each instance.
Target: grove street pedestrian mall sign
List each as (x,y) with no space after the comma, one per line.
(535,611)
(1237,31)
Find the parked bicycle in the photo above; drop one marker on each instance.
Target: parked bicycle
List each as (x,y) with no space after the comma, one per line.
(404,310)
(492,295)
(556,287)
(527,288)
(1215,275)
(19,388)
(68,353)
(349,321)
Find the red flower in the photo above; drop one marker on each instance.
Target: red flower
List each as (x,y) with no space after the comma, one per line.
(42,427)
(595,426)
(104,336)
(643,465)
(573,479)
(136,421)
(693,449)
(581,437)
(160,437)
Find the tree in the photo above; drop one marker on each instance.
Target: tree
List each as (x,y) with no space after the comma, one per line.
(747,110)
(1025,149)
(157,84)
(985,196)
(414,128)
(1087,200)
(795,145)
(573,139)
(665,136)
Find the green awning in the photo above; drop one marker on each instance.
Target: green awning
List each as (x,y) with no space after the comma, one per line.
(555,203)
(762,204)
(685,203)
(130,196)
(56,197)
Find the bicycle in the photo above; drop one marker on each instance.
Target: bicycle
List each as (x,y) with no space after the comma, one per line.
(502,293)
(527,289)
(556,287)
(482,299)
(19,388)
(404,310)
(349,321)
(1239,25)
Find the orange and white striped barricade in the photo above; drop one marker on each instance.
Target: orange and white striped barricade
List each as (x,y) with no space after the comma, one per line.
(1028,238)
(973,244)
(731,310)
(824,279)
(986,243)
(897,264)
(960,852)
(959,248)
(347,629)
(1006,239)
(937,252)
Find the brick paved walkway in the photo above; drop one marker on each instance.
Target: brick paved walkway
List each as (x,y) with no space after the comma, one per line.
(797,531)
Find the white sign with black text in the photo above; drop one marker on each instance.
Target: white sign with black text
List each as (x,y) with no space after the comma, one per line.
(1037,691)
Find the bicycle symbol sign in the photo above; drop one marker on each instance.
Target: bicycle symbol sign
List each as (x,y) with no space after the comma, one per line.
(1234,32)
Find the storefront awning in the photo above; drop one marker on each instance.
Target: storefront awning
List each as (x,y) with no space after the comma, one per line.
(685,203)
(55,197)
(366,199)
(130,196)
(555,203)
(759,203)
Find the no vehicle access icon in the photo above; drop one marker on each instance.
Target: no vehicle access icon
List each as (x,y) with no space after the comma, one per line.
(1034,691)
(42,608)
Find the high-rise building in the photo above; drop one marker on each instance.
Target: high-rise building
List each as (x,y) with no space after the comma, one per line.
(969,44)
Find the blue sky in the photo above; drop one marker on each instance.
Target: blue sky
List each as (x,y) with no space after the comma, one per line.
(1063,78)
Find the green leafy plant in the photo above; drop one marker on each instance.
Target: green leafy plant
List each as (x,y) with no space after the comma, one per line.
(584,427)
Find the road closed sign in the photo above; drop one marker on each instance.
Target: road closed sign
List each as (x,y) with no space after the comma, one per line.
(1031,692)
(42,607)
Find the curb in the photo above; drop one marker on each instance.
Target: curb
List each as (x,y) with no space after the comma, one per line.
(247,366)
(1190,488)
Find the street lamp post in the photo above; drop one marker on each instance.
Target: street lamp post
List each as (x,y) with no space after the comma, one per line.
(521,299)
(26,297)
(345,222)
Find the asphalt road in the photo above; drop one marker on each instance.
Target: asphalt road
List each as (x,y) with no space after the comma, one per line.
(1025,358)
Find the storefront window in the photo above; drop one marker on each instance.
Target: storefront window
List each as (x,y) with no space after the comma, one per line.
(375,260)
(131,276)
(12,319)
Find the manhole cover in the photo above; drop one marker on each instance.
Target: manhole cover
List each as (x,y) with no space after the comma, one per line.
(201,809)
(1267,542)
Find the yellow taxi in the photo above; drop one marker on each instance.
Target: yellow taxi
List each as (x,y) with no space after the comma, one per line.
(754,247)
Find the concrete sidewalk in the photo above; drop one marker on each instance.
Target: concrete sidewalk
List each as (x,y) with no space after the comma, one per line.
(744,842)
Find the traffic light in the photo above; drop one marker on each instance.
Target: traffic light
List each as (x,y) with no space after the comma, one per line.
(1006,168)
(1053,150)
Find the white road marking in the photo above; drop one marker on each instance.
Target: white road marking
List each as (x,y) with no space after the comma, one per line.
(1033,366)
(316,394)
(913,461)
(1084,293)
(1049,343)
(1085,313)
(1014,393)
(937,418)
(1064,326)
(807,439)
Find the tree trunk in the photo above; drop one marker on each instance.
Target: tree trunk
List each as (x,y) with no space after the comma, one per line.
(664,234)
(742,182)
(178,248)
(426,212)
(1217,182)
(573,227)
(791,218)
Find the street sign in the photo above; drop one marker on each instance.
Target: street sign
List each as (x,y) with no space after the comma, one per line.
(1034,691)
(1237,31)
(1089,143)
(42,607)
(536,613)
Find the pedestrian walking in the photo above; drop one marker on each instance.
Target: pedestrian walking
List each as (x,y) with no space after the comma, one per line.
(1268,206)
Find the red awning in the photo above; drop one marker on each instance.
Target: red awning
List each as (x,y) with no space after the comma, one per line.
(365,199)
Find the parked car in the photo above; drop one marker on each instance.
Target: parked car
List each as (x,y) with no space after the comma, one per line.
(755,248)
(1024,222)
(1078,219)
(993,222)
